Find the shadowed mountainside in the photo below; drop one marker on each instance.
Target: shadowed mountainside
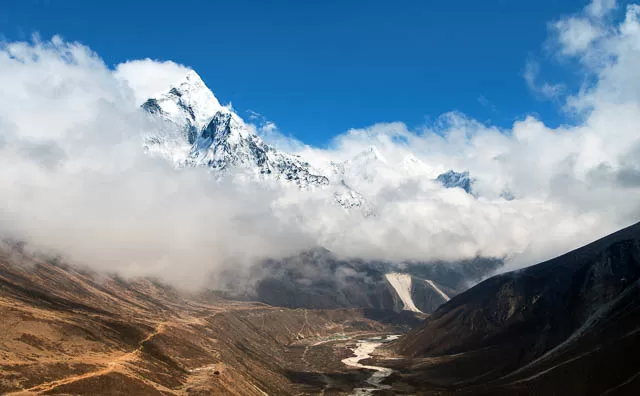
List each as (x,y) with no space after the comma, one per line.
(318,279)
(570,325)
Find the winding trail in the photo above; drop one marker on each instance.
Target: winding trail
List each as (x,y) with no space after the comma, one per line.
(363,350)
(111,365)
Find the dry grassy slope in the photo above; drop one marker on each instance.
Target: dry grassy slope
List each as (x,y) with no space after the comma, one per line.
(65,331)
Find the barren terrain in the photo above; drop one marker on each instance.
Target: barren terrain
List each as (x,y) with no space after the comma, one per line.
(69,331)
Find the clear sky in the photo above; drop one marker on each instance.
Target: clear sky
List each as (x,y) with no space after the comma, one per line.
(318,68)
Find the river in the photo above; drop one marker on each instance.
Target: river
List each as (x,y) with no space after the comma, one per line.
(363,350)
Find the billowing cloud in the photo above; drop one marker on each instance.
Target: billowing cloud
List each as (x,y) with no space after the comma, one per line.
(577,34)
(78,182)
(572,184)
(600,8)
(147,78)
(75,178)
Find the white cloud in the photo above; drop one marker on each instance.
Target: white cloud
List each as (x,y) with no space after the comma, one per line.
(271,134)
(572,183)
(545,89)
(612,63)
(147,78)
(78,181)
(575,35)
(75,179)
(600,8)
(578,33)
(487,103)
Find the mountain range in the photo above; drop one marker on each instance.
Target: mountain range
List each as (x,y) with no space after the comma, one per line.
(200,132)
(197,131)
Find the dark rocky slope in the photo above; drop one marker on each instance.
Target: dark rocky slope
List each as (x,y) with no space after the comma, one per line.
(318,279)
(570,325)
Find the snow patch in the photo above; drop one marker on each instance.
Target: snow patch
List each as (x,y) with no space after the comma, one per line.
(437,289)
(401,283)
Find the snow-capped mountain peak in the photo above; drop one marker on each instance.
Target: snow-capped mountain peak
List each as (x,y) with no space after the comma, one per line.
(363,166)
(216,137)
(372,154)
(188,103)
(415,167)
(200,132)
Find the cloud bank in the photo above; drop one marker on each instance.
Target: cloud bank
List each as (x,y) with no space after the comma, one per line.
(76,180)
(147,78)
(572,184)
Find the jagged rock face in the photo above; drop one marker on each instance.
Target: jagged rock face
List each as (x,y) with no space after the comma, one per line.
(226,143)
(216,137)
(189,103)
(222,144)
(349,198)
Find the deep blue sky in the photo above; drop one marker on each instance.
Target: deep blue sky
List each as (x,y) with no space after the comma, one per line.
(318,68)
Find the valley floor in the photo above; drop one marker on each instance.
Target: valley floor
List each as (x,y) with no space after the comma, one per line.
(67,331)
(63,331)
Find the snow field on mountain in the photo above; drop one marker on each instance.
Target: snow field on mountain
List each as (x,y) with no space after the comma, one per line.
(437,289)
(401,283)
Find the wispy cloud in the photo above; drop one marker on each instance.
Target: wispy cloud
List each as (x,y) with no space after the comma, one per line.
(544,89)
(487,103)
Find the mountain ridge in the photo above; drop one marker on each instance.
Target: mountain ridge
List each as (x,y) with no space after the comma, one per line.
(214,136)
(511,333)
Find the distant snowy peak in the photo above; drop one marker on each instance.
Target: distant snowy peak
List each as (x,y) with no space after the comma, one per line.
(362,167)
(371,164)
(463,180)
(199,131)
(414,167)
(452,179)
(372,154)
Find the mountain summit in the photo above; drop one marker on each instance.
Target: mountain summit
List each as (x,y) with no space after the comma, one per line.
(215,136)
(189,104)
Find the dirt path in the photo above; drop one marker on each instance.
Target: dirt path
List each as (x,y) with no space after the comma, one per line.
(110,365)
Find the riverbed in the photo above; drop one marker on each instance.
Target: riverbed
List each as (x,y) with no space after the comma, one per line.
(363,350)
